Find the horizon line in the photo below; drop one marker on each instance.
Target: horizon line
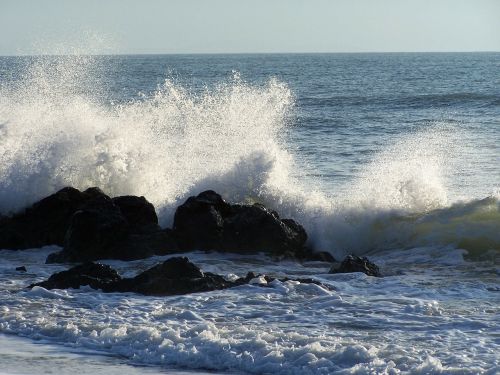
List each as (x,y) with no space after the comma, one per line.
(242,53)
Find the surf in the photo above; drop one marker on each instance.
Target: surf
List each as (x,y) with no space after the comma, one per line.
(56,130)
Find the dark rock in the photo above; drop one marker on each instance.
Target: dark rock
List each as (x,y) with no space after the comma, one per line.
(21,269)
(306,253)
(174,276)
(198,223)
(45,222)
(320,256)
(353,263)
(207,222)
(137,211)
(97,276)
(124,228)
(250,229)
(95,230)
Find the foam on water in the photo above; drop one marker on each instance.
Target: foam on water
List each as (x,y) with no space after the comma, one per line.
(435,312)
(396,325)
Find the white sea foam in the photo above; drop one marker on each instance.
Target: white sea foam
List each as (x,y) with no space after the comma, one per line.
(406,324)
(173,143)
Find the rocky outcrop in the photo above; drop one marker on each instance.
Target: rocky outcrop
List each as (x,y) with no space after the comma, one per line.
(124,228)
(90,225)
(207,222)
(45,222)
(97,276)
(174,276)
(353,263)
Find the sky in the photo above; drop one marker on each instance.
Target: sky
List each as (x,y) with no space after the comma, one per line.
(247,26)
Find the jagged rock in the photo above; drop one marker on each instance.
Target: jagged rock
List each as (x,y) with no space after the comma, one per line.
(91,226)
(207,222)
(174,276)
(353,263)
(45,222)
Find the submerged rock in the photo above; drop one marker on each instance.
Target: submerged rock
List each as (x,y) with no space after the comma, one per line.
(353,263)
(174,276)
(207,222)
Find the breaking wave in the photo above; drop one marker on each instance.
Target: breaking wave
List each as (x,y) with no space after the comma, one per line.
(232,138)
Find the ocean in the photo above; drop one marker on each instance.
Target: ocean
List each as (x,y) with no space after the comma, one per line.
(392,156)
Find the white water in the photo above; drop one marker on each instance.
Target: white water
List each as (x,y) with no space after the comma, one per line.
(232,139)
(418,323)
(434,313)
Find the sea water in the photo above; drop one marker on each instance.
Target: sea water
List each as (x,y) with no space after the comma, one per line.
(393,156)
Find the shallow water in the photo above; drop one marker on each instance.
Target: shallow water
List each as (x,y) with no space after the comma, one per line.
(395,156)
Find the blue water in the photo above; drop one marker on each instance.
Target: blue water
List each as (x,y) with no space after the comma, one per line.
(392,155)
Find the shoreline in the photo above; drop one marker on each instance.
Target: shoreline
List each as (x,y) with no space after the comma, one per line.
(23,356)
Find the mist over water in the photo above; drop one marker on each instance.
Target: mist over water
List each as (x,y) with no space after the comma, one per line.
(59,128)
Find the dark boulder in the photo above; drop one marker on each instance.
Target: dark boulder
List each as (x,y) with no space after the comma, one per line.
(137,211)
(95,230)
(45,222)
(207,222)
(353,263)
(199,222)
(174,276)
(254,228)
(97,276)
(21,269)
(308,254)
(124,228)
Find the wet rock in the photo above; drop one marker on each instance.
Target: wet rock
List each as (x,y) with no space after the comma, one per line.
(45,222)
(249,229)
(353,263)
(124,228)
(137,211)
(207,222)
(95,230)
(174,276)
(199,222)
(308,254)
(21,269)
(97,276)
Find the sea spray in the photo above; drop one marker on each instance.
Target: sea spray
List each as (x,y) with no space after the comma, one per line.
(159,146)
(57,130)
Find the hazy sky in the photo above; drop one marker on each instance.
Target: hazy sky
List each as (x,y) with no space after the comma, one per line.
(211,26)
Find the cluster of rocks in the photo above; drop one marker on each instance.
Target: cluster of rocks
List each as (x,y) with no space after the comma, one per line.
(174,276)
(89,225)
